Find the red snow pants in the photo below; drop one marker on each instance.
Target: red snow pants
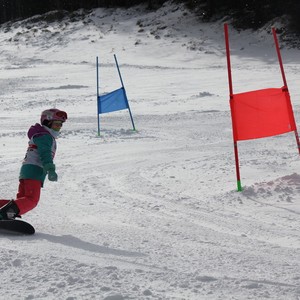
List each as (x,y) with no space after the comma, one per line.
(28,195)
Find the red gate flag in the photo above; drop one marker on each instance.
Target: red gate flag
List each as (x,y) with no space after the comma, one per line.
(261,113)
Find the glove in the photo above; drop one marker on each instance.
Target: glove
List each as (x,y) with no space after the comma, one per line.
(50,170)
(52,176)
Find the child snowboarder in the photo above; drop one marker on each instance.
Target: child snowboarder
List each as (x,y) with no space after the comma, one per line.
(37,164)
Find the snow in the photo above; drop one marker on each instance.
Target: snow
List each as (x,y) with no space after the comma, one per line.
(152,213)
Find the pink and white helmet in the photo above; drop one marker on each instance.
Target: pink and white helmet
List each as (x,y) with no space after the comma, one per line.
(53,114)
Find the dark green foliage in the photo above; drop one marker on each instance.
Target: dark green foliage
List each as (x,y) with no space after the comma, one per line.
(294,12)
(245,13)
(248,13)
(20,9)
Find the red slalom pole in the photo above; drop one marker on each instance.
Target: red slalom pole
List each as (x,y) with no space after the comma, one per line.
(228,60)
(284,78)
(279,57)
(236,154)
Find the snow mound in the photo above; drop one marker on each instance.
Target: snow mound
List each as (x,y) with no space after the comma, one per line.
(284,189)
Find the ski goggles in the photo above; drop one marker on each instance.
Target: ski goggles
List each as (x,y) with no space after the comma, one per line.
(60,116)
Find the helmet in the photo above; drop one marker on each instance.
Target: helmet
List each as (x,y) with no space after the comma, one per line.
(53,114)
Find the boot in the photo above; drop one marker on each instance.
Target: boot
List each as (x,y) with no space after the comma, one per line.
(9,211)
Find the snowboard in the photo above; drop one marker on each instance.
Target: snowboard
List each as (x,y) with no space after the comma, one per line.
(16,227)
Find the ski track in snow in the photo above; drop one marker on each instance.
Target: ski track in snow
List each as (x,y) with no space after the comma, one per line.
(152,213)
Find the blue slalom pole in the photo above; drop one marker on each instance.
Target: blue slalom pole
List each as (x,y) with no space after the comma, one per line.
(124,92)
(98,104)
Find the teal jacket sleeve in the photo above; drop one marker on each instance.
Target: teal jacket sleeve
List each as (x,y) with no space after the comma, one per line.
(44,148)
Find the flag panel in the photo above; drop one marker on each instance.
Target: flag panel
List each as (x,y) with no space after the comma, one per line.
(261,113)
(112,101)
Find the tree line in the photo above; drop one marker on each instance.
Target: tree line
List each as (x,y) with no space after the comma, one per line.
(245,13)
(250,13)
(20,9)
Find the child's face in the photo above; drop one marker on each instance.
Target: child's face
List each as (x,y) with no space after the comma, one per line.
(56,125)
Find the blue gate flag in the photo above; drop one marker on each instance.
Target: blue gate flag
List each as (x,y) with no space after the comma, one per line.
(113,101)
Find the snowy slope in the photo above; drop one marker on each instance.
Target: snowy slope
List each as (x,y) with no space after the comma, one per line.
(151,214)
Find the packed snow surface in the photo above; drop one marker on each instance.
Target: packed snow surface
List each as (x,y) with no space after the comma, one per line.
(152,213)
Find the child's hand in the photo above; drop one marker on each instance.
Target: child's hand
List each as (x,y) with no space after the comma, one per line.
(50,170)
(52,176)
